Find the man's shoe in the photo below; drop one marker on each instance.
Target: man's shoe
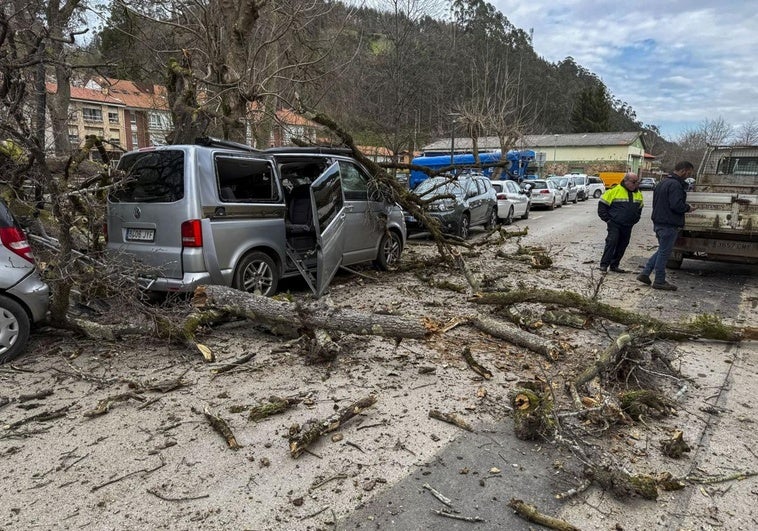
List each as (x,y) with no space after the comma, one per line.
(664,285)
(618,270)
(604,269)
(645,279)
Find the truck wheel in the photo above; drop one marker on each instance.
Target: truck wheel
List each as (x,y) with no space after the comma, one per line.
(390,249)
(597,194)
(14,329)
(464,227)
(257,273)
(675,261)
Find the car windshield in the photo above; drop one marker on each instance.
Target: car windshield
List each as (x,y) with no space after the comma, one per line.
(439,186)
(560,182)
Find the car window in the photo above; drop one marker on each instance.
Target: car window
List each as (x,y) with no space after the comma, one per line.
(354,182)
(472,189)
(594,180)
(328,197)
(244,180)
(498,187)
(539,185)
(151,177)
(511,187)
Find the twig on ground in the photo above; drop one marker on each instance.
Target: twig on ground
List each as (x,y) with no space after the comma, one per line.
(450,418)
(530,513)
(437,494)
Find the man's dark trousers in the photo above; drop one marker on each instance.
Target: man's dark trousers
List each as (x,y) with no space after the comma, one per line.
(615,244)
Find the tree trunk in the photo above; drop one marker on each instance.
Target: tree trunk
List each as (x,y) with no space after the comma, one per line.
(293,319)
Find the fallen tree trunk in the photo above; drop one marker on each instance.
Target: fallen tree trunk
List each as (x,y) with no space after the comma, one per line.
(702,326)
(291,319)
(549,349)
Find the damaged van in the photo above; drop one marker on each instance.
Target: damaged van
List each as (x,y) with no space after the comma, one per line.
(218,212)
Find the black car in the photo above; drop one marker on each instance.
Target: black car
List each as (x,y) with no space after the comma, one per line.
(464,202)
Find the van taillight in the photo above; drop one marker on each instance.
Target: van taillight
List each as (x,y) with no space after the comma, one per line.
(192,234)
(15,240)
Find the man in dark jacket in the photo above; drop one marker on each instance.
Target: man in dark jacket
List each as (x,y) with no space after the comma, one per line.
(620,207)
(669,207)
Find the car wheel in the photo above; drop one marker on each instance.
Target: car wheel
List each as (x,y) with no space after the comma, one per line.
(492,219)
(526,213)
(509,218)
(390,249)
(675,261)
(257,273)
(464,227)
(14,329)
(597,194)
(552,205)
(565,200)
(576,199)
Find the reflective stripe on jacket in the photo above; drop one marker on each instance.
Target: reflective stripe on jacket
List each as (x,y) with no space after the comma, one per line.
(620,205)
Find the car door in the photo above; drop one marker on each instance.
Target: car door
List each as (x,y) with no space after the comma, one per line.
(366,214)
(477,204)
(514,195)
(328,204)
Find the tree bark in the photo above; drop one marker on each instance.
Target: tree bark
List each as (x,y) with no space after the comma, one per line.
(292,319)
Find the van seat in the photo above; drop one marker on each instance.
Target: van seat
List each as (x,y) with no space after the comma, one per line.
(299,211)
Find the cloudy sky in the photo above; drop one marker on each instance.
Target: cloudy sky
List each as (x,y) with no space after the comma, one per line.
(676,62)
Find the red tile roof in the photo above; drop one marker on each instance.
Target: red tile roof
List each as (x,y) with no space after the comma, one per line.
(85,94)
(134,94)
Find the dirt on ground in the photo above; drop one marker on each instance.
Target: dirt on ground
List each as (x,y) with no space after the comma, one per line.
(118,434)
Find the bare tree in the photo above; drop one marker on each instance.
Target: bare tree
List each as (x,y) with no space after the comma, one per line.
(236,53)
(747,133)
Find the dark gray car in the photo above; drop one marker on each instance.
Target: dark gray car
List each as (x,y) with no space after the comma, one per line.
(24,297)
(458,204)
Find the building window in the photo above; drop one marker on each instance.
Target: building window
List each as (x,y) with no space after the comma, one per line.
(113,117)
(116,141)
(133,119)
(91,114)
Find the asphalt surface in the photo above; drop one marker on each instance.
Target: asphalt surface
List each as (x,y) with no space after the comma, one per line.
(480,472)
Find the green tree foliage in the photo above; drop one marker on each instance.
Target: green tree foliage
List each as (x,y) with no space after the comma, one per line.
(591,113)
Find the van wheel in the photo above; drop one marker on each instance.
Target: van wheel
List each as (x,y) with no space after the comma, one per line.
(390,249)
(597,194)
(257,273)
(464,227)
(14,329)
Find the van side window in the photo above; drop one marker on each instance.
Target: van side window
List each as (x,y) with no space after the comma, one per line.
(354,184)
(242,180)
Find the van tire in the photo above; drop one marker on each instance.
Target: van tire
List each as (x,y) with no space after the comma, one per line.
(390,248)
(257,273)
(597,194)
(14,329)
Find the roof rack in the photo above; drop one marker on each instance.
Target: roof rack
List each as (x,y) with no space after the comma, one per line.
(209,141)
(321,150)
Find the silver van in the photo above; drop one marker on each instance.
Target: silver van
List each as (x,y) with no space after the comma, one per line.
(223,213)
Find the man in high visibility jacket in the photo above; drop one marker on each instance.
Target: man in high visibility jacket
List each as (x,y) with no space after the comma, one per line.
(620,207)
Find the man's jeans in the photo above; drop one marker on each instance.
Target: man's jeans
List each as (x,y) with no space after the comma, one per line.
(666,235)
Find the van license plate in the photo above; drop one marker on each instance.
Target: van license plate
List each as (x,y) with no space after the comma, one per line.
(140,235)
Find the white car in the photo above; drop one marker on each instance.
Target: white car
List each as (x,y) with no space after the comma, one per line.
(581,181)
(544,192)
(512,201)
(595,187)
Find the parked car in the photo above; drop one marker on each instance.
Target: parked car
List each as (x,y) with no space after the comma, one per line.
(24,296)
(595,187)
(569,191)
(581,181)
(545,193)
(512,201)
(647,183)
(471,202)
(222,213)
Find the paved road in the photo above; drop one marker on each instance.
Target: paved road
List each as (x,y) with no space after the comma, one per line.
(717,414)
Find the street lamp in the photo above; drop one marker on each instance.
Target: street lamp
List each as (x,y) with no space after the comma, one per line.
(453,117)
(555,148)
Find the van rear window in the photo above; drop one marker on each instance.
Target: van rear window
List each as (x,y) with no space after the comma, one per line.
(151,177)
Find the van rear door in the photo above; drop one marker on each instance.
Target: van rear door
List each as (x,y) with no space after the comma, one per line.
(328,204)
(145,211)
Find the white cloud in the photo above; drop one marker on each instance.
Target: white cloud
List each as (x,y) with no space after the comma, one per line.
(675,62)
